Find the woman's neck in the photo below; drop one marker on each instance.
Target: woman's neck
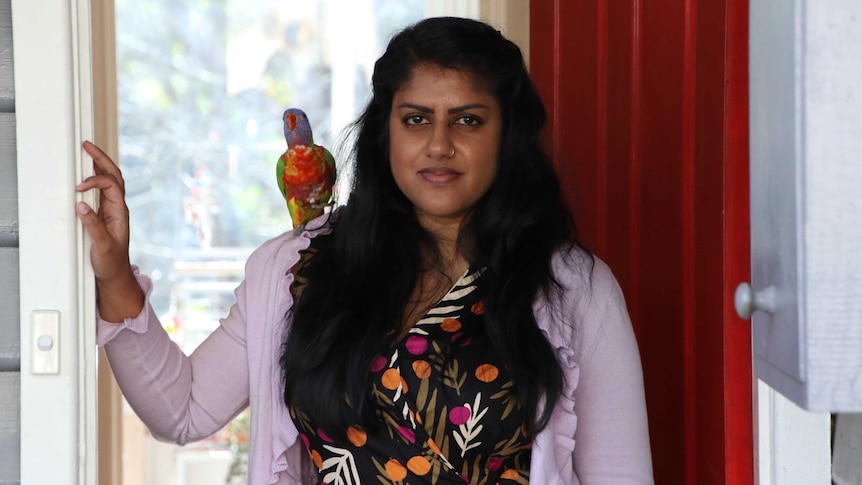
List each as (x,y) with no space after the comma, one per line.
(439,271)
(445,231)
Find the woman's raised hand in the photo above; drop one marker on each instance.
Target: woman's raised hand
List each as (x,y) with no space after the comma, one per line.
(119,295)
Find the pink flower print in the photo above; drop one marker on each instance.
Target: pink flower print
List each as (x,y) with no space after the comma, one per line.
(417,345)
(378,364)
(461,340)
(407,434)
(323,436)
(459,415)
(495,462)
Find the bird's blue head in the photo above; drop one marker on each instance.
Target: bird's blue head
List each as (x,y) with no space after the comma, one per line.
(297,130)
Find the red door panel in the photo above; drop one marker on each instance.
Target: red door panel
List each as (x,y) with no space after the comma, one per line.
(648,125)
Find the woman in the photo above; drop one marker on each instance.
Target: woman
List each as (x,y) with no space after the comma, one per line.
(444,326)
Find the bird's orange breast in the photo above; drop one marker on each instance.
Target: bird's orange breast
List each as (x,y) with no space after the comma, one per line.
(304,165)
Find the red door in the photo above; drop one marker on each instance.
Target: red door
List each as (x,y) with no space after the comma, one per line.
(648,105)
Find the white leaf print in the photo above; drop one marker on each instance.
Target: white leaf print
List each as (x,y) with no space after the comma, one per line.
(445,309)
(472,428)
(458,294)
(344,465)
(430,320)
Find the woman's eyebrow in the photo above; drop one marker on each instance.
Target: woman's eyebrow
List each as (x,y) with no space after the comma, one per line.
(417,107)
(456,109)
(466,107)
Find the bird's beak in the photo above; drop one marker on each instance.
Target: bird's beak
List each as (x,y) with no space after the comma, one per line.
(291,121)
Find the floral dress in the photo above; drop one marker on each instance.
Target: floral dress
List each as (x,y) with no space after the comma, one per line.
(447,406)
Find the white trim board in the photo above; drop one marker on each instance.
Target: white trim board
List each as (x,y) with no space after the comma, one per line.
(54,115)
(792,444)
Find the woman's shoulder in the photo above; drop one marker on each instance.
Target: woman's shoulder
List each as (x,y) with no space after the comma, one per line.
(583,275)
(283,251)
(579,306)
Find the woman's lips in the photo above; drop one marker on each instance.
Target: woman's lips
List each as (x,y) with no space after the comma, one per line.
(439,175)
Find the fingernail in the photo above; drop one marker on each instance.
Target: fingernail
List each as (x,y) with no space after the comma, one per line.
(83,208)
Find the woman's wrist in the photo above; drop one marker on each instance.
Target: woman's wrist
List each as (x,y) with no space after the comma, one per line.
(120,299)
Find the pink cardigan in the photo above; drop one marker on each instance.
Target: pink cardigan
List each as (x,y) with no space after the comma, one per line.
(183,399)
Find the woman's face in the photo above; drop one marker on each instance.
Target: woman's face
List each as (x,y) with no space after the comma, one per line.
(436,111)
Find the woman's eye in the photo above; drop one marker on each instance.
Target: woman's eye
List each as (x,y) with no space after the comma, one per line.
(468,120)
(414,120)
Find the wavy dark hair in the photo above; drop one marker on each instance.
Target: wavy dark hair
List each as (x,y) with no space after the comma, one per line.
(363,273)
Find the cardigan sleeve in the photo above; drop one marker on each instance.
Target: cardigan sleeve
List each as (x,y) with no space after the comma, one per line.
(186,398)
(612,437)
(180,398)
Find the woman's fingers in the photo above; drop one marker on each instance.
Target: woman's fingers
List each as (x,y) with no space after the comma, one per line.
(109,226)
(112,205)
(104,165)
(94,225)
(109,181)
(110,187)
(108,178)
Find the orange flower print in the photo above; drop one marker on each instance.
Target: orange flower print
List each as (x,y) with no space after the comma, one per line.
(487,373)
(357,436)
(395,470)
(422,369)
(315,457)
(419,465)
(510,474)
(478,308)
(450,325)
(391,379)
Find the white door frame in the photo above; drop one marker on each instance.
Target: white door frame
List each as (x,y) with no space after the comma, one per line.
(53,88)
(53,98)
(792,446)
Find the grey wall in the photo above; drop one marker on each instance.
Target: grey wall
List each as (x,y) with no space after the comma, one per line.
(10,351)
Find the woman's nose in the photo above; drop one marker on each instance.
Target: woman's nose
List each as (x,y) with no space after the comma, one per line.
(440,145)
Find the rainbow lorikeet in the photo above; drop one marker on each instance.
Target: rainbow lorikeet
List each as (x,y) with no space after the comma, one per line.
(306,172)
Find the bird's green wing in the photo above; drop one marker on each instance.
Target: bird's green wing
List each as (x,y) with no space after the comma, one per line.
(279,174)
(328,158)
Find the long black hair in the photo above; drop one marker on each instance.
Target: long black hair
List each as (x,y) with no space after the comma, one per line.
(363,273)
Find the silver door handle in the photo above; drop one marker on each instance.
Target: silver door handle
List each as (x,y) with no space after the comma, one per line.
(747,301)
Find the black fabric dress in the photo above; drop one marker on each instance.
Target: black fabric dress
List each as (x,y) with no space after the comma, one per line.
(446,403)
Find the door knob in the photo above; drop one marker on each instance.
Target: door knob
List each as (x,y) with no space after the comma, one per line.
(747,301)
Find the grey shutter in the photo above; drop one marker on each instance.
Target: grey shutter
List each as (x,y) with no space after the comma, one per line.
(806,199)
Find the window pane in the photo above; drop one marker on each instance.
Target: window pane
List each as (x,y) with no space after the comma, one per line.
(202,86)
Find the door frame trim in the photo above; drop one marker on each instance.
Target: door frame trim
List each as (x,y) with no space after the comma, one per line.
(54,115)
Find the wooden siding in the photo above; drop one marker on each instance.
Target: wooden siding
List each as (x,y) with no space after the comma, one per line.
(10,419)
(10,351)
(7,90)
(8,183)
